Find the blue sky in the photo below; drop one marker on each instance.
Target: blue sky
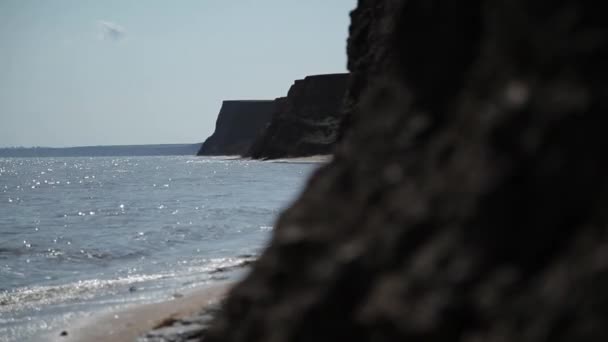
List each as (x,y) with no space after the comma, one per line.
(88,72)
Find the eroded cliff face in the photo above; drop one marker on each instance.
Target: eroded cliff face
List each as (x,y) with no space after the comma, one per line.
(306,122)
(369,52)
(467,200)
(237,125)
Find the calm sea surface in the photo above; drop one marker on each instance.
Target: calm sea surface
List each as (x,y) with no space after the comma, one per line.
(80,235)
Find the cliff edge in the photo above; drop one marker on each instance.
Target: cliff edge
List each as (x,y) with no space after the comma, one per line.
(467,199)
(238,124)
(306,122)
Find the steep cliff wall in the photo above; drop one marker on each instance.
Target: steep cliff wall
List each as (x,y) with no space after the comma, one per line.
(237,125)
(369,52)
(305,122)
(467,200)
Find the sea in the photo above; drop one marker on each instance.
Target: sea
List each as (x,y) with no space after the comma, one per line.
(80,235)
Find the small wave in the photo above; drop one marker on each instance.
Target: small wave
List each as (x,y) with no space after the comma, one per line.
(36,252)
(36,296)
(84,289)
(318,159)
(214,159)
(228,264)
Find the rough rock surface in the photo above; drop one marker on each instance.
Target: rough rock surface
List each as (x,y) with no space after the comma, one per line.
(368,54)
(306,122)
(467,200)
(238,124)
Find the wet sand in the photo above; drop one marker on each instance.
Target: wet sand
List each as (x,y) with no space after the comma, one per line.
(127,324)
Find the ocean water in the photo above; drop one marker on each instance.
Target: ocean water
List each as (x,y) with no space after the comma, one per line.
(82,235)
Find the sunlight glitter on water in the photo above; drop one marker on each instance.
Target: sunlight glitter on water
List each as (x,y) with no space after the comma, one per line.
(76,244)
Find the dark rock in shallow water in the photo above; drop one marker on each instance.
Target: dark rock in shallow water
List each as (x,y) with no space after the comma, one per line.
(306,122)
(237,125)
(467,200)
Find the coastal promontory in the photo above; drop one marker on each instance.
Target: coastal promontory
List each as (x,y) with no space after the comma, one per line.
(306,121)
(238,123)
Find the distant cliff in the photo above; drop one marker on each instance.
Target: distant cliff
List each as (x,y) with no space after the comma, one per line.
(306,122)
(237,125)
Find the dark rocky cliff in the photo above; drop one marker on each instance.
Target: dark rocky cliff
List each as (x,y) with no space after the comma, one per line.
(369,53)
(238,123)
(467,200)
(306,122)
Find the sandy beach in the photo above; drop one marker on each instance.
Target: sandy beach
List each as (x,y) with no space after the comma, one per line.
(127,324)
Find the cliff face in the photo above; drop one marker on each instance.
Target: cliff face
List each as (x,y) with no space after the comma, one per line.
(305,122)
(467,200)
(369,52)
(237,125)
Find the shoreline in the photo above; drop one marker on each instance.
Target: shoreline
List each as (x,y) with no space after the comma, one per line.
(129,323)
(316,159)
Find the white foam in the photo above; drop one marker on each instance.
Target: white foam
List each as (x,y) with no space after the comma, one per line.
(84,290)
(36,296)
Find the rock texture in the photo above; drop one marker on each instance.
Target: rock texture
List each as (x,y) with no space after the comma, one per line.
(467,200)
(306,122)
(237,125)
(368,54)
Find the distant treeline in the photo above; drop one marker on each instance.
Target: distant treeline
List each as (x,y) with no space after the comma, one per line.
(102,151)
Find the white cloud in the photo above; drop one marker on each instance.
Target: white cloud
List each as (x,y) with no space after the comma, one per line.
(110,31)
